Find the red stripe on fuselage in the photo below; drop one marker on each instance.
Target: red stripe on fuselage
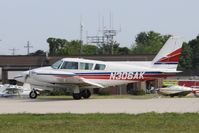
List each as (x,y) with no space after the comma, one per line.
(107,76)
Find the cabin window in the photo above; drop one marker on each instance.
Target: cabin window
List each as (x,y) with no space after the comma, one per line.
(69,65)
(57,64)
(100,67)
(86,66)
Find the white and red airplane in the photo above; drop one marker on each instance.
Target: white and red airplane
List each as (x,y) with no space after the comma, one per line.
(81,75)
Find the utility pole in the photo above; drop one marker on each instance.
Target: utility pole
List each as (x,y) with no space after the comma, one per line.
(13,50)
(81,41)
(28,46)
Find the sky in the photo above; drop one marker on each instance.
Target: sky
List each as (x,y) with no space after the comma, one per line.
(37,20)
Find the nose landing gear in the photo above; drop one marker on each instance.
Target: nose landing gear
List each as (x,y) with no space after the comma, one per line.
(33,94)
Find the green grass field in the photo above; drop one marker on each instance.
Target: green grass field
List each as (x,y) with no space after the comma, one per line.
(100,123)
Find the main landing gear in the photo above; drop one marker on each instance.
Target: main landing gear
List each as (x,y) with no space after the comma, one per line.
(82,94)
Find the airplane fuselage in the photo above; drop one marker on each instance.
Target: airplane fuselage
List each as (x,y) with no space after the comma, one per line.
(113,74)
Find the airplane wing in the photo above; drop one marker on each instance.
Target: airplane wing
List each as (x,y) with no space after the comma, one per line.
(17,89)
(82,82)
(92,83)
(66,78)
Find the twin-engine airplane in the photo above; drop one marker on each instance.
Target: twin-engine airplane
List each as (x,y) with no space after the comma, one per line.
(81,75)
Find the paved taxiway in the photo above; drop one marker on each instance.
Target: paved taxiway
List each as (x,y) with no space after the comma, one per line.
(132,106)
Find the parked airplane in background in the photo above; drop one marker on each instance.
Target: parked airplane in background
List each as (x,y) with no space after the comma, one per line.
(8,90)
(177,90)
(81,75)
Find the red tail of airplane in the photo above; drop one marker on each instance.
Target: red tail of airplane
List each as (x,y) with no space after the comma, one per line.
(168,56)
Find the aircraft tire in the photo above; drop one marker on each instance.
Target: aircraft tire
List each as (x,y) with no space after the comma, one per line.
(76,96)
(33,95)
(172,96)
(86,93)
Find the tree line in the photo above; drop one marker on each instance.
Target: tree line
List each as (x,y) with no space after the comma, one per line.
(59,47)
(145,43)
(189,61)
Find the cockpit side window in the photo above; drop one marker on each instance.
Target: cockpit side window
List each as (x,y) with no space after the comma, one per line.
(69,65)
(57,64)
(100,67)
(86,66)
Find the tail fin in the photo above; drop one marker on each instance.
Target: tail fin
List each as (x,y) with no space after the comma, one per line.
(169,55)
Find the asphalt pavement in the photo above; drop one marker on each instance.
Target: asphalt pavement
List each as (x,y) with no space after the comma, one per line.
(131,106)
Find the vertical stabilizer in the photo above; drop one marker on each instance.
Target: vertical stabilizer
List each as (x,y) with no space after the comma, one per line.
(168,56)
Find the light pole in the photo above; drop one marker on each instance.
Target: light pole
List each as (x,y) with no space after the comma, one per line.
(28,46)
(81,41)
(13,51)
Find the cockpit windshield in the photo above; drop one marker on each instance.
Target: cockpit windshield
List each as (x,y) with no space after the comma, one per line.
(57,64)
(69,65)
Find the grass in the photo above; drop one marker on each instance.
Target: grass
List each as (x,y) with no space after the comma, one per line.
(99,123)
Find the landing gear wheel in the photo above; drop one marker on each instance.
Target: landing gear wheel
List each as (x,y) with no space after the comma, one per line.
(76,96)
(86,93)
(172,96)
(33,94)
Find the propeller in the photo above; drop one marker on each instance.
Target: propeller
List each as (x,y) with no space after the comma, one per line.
(28,75)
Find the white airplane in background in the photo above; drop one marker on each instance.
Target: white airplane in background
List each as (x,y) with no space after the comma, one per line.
(81,75)
(8,90)
(176,90)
